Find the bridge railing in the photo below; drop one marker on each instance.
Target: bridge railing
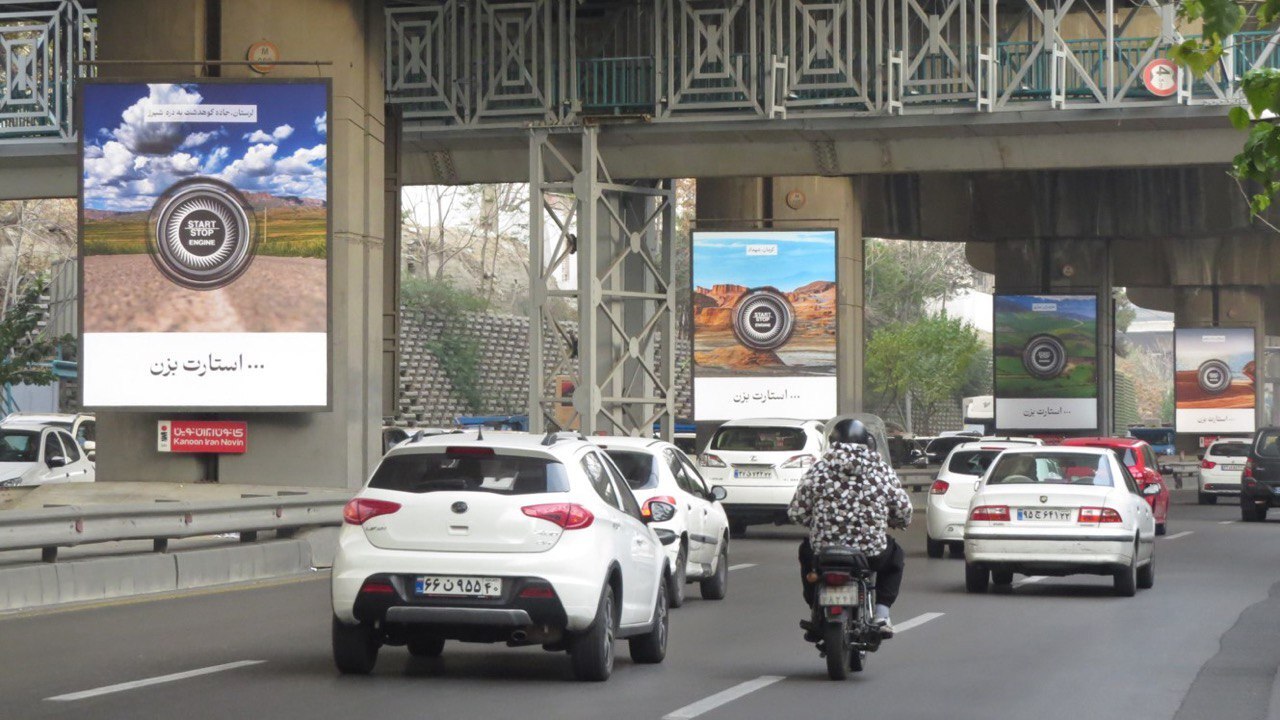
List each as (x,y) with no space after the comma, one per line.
(42,45)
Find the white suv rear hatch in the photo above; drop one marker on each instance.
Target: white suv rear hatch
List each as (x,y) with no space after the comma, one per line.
(762,455)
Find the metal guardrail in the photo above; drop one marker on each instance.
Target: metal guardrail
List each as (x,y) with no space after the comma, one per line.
(50,528)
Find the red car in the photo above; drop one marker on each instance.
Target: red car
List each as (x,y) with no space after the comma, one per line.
(1138,456)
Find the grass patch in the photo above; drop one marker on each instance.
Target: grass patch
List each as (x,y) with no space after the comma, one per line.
(304,236)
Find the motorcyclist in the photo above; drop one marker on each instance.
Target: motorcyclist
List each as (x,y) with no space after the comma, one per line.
(848,498)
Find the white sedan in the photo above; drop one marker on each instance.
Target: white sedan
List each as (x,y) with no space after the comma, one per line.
(696,534)
(1059,511)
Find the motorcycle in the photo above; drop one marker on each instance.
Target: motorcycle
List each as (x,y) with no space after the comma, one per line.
(843,609)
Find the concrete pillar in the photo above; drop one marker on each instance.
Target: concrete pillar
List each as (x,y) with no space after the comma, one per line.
(329,449)
(804,202)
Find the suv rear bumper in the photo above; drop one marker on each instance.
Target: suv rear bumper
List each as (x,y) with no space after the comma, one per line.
(1259,493)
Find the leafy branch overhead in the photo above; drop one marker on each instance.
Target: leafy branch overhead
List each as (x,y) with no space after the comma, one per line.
(24,350)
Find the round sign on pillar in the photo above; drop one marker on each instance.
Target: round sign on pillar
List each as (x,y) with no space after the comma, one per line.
(263,56)
(1160,77)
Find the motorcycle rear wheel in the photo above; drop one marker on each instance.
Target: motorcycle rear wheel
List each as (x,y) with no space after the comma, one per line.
(836,642)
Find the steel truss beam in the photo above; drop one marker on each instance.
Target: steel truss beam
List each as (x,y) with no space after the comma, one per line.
(620,239)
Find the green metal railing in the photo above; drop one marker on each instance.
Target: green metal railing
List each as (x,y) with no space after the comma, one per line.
(621,85)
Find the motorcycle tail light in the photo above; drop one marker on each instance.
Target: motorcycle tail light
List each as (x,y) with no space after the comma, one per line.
(835,579)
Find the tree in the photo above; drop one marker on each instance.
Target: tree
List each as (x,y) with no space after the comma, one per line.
(23,346)
(922,366)
(903,278)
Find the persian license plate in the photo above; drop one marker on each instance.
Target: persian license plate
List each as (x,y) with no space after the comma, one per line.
(1045,514)
(847,595)
(458,586)
(1233,468)
(753,474)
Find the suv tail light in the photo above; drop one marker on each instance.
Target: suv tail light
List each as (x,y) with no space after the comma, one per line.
(990,513)
(360,510)
(569,516)
(799,461)
(1208,464)
(1096,515)
(711,461)
(939,487)
(661,508)
(1248,469)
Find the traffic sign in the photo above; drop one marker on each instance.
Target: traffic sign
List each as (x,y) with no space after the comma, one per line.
(1160,77)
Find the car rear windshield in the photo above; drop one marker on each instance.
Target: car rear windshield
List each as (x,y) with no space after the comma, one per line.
(19,446)
(759,439)
(1268,444)
(445,472)
(1052,469)
(1234,449)
(971,462)
(636,467)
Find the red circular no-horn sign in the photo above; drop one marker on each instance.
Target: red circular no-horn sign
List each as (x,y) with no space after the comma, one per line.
(1160,77)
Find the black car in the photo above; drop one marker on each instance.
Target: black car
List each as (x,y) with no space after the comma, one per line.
(1260,483)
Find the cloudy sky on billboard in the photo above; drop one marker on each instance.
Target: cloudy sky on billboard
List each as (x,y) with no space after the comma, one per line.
(129,161)
(725,260)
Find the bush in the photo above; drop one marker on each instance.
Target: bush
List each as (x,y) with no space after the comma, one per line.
(456,349)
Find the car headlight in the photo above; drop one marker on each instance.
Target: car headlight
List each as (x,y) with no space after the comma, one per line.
(11,482)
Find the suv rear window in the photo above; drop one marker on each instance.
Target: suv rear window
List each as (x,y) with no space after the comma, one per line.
(971,462)
(759,439)
(1232,449)
(444,472)
(1268,445)
(636,467)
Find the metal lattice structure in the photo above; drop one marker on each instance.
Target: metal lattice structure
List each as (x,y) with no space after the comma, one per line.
(41,47)
(620,363)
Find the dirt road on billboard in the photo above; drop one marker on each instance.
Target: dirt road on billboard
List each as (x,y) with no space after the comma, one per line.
(276,294)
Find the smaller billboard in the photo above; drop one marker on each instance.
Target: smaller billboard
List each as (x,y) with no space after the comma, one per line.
(1214,380)
(1046,362)
(202,436)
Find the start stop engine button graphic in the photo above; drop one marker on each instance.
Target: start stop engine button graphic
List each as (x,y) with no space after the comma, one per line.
(763,319)
(202,235)
(1214,377)
(1044,357)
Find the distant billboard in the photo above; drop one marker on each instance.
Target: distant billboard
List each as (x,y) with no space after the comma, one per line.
(1214,380)
(764,325)
(204,245)
(1046,362)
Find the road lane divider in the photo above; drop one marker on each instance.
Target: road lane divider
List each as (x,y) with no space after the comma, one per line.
(135,684)
(741,566)
(916,621)
(1182,534)
(723,697)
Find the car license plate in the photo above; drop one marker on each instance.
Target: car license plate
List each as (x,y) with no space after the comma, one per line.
(753,474)
(1044,514)
(845,596)
(1233,468)
(456,586)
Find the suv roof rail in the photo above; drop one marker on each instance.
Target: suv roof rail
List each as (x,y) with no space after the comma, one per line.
(554,436)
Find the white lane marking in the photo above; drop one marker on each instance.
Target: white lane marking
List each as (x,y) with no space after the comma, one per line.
(1030,579)
(107,690)
(742,566)
(1182,534)
(1227,522)
(722,698)
(916,621)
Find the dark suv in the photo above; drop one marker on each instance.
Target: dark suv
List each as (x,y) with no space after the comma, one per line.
(1260,483)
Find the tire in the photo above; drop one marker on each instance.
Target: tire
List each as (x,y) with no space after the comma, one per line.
(1262,512)
(1207,499)
(591,653)
(1002,577)
(717,586)
(737,528)
(1126,579)
(1162,528)
(934,548)
(425,646)
(836,644)
(676,579)
(651,647)
(1249,511)
(355,648)
(957,550)
(1147,574)
(976,579)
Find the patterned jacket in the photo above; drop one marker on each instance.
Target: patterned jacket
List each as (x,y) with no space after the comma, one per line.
(849,497)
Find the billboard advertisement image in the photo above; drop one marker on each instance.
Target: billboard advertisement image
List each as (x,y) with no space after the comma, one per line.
(1214,380)
(764,324)
(205,245)
(1046,362)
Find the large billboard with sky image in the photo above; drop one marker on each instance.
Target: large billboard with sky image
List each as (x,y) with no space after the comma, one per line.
(1046,362)
(205,245)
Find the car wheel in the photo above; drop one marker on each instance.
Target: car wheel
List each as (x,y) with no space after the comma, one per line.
(1126,579)
(425,646)
(976,578)
(355,648)
(1249,511)
(737,529)
(717,586)
(591,653)
(1207,499)
(934,548)
(1002,577)
(1262,512)
(676,579)
(1147,574)
(1162,528)
(652,646)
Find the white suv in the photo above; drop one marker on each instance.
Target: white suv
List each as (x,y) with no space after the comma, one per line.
(1221,469)
(696,534)
(947,507)
(513,538)
(759,463)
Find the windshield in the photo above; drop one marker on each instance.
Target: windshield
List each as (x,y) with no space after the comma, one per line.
(1268,444)
(1052,469)
(440,472)
(759,439)
(19,446)
(636,467)
(1234,449)
(971,462)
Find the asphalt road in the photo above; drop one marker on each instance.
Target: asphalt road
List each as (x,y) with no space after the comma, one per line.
(1204,643)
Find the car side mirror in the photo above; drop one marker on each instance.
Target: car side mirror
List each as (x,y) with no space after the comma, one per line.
(91,456)
(1152,489)
(657,511)
(56,461)
(718,493)
(89,445)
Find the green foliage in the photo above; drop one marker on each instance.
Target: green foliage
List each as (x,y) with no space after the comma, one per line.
(903,277)
(457,350)
(22,346)
(931,359)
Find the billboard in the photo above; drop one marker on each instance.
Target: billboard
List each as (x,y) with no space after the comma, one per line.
(204,245)
(1046,362)
(1214,380)
(764,324)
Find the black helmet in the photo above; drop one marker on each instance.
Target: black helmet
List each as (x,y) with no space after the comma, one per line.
(852,431)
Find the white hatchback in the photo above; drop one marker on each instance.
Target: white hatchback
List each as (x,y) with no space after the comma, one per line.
(33,454)
(696,534)
(1059,511)
(514,538)
(1221,469)
(947,506)
(759,463)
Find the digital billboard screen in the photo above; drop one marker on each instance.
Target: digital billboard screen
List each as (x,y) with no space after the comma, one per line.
(1046,362)
(1214,380)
